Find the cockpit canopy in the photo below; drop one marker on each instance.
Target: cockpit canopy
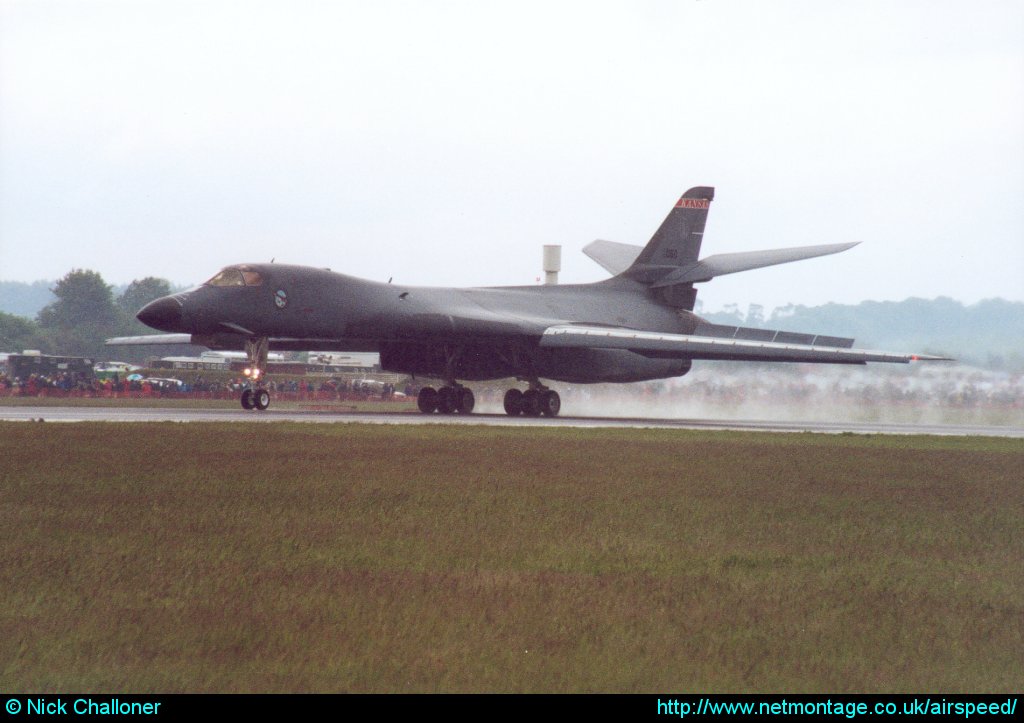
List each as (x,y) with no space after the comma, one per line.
(236,276)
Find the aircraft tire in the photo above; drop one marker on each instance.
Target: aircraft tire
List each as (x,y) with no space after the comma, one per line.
(247,402)
(513,402)
(427,400)
(447,400)
(531,403)
(465,400)
(550,403)
(261,399)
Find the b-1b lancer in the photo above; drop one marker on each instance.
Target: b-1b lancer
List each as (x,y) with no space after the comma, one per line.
(636,326)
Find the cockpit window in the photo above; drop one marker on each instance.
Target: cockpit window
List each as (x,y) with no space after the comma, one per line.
(235,276)
(227,277)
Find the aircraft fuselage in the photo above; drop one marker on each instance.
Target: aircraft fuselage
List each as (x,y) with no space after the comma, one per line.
(416,330)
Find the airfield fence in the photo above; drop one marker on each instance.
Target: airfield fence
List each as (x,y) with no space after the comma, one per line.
(709,392)
(224,394)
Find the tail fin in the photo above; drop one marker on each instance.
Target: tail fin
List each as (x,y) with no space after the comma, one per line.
(669,263)
(676,243)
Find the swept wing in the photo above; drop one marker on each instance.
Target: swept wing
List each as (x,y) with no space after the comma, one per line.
(692,346)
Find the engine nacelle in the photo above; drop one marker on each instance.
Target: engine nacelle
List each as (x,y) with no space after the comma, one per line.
(472,363)
(597,366)
(481,362)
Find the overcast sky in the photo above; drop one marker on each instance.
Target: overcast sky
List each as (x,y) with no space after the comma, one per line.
(443,143)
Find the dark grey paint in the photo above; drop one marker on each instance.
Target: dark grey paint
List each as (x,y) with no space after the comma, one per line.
(491,333)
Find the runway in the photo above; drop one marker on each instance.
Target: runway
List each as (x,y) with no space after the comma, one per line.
(144,414)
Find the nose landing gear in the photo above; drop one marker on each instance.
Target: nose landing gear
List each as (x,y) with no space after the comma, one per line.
(261,399)
(256,396)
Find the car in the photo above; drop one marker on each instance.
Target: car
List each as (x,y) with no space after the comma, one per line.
(165,384)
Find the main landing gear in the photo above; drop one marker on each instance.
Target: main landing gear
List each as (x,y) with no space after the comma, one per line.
(449,399)
(453,398)
(534,402)
(256,396)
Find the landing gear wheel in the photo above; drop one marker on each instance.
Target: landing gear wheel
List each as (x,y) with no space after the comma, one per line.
(427,400)
(465,400)
(447,400)
(531,403)
(261,399)
(550,403)
(247,402)
(513,402)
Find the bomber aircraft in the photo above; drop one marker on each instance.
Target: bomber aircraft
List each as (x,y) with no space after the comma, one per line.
(638,325)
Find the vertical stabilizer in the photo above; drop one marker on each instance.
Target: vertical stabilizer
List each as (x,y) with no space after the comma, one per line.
(676,243)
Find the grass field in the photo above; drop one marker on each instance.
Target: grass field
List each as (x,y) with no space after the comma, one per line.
(288,557)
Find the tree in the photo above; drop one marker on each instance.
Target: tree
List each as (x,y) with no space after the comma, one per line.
(139,293)
(18,333)
(24,299)
(142,291)
(83,315)
(755,315)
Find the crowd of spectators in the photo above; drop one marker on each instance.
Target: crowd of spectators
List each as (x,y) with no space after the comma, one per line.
(719,386)
(36,384)
(77,384)
(333,386)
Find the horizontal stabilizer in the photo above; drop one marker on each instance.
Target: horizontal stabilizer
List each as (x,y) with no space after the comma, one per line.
(722,264)
(613,256)
(690,346)
(150,339)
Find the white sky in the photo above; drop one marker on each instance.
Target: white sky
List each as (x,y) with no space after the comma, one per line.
(445,143)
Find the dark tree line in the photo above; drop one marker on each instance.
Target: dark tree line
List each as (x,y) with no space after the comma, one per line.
(84,314)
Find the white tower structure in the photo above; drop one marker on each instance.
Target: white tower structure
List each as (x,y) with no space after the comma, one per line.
(552,263)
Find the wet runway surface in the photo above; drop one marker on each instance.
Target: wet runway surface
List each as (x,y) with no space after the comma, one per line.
(140,414)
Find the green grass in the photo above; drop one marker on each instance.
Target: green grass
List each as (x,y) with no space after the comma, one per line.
(296,557)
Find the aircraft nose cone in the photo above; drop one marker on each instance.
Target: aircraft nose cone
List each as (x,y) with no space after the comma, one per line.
(163,314)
